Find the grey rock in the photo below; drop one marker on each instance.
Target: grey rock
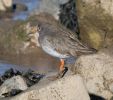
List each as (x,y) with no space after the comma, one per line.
(68,88)
(16,82)
(97,71)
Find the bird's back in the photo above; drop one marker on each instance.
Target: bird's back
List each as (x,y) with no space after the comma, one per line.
(61,39)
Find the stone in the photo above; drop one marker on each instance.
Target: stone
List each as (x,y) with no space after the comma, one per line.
(95,22)
(97,71)
(16,82)
(107,5)
(4,4)
(67,88)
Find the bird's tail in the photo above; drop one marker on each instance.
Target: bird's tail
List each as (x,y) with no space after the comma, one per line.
(90,51)
(86,51)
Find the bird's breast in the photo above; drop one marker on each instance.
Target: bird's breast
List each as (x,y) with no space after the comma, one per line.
(51,51)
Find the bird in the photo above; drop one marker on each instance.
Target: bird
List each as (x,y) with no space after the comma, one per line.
(58,41)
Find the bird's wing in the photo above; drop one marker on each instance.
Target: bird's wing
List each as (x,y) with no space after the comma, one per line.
(61,40)
(66,42)
(66,32)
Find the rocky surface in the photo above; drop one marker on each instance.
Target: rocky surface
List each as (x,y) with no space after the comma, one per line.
(95,22)
(97,71)
(45,89)
(69,88)
(104,4)
(16,82)
(12,82)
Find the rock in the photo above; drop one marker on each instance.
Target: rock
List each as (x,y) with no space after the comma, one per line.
(68,88)
(32,77)
(11,93)
(95,22)
(4,4)
(104,4)
(16,82)
(97,71)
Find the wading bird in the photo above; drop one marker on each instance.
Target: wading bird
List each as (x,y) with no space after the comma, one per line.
(58,41)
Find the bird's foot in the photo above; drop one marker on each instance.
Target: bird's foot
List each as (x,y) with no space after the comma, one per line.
(59,75)
(62,73)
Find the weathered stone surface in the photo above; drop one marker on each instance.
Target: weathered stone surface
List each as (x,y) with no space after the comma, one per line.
(68,88)
(97,70)
(16,82)
(107,5)
(95,22)
(4,4)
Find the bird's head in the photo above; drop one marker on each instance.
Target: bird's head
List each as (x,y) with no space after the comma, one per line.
(42,24)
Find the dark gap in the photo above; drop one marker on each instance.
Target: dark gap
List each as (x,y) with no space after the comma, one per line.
(96,97)
(68,16)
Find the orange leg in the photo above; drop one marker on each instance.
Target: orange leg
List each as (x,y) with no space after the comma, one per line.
(61,65)
(62,71)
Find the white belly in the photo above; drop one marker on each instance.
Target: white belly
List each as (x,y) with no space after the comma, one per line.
(54,53)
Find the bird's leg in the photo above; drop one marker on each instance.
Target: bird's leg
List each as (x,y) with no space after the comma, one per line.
(61,65)
(63,69)
(61,73)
